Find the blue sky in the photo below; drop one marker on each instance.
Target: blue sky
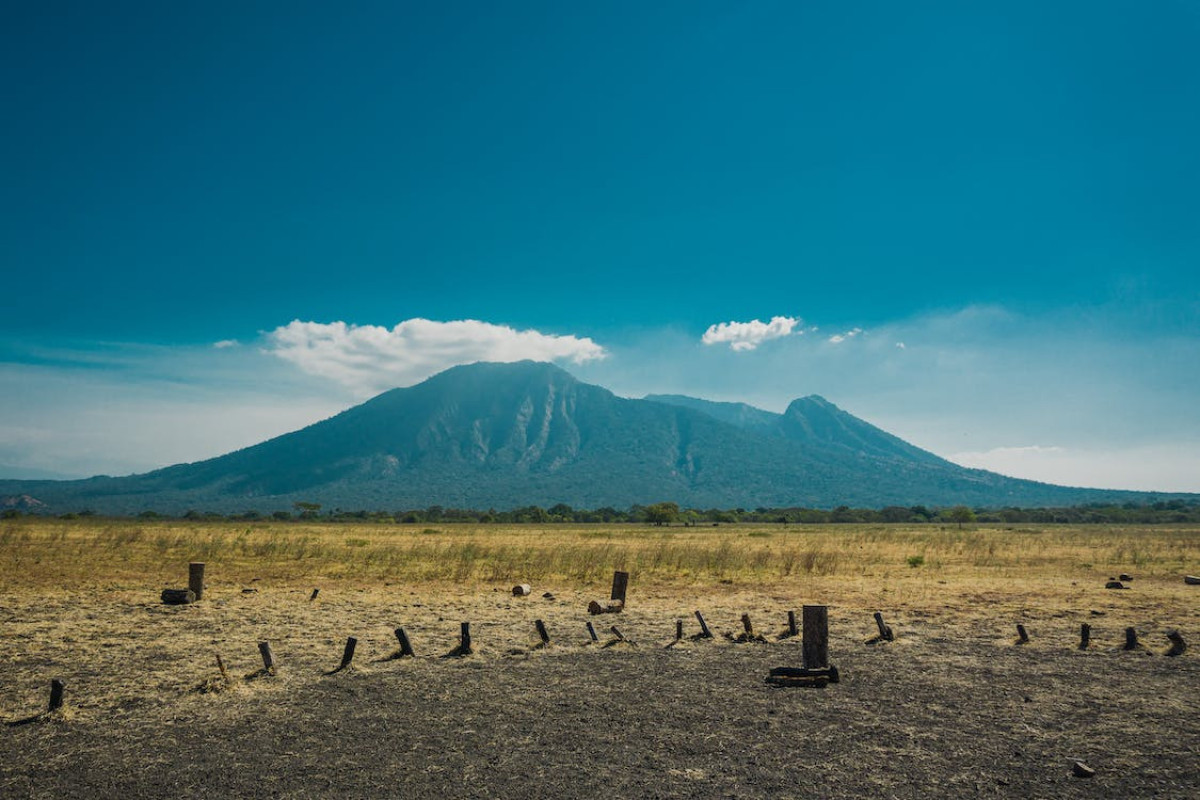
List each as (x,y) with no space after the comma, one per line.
(975,225)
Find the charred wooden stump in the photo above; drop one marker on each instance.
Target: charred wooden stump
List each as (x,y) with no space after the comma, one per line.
(196,579)
(543,634)
(705,633)
(616,603)
(268,657)
(591,629)
(885,630)
(57,687)
(1022,634)
(1178,645)
(799,676)
(521,590)
(464,643)
(224,672)
(347,653)
(405,644)
(678,630)
(314,594)
(1085,636)
(792,629)
(1131,639)
(1191,580)
(815,645)
(178,597)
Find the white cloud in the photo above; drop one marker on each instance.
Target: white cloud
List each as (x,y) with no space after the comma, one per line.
(838,338)
(225,344)
(372,358)
(742,336)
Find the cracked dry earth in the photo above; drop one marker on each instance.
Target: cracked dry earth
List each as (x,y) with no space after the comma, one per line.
(941,712)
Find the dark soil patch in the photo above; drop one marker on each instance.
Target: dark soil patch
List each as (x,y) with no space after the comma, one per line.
(928,718)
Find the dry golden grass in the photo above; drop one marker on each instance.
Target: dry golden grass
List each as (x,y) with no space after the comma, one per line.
(79,598)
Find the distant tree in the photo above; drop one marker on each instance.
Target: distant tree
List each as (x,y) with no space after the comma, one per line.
(307,510)
(662,513)
(961,515)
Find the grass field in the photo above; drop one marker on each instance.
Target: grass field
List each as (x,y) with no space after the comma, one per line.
(79,600)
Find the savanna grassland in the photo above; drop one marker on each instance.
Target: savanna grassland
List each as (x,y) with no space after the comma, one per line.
(952,707)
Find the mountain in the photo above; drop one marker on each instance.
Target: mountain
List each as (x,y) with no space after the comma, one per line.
(508,435)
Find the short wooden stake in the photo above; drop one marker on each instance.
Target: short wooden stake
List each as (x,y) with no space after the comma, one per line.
(885,631)
(1178,645)
(1131,640)
(592,632)
(792,629)
(314,594)
(746,626)
(1022,635)
(56,694)
(348,653)
(196,578)
(1085,636)
(264,649)
(815,651)
(678,629)
(705,633)
(405,645)
(464,638)
(543,634)
(620,636)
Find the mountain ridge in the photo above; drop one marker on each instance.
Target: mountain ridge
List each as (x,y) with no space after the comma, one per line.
(507,435)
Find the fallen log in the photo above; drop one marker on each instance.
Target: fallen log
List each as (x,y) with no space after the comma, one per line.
(178,597)
(1191,580)
(521,590)
(801,676)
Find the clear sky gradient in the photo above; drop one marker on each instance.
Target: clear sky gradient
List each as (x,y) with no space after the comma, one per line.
(978,224)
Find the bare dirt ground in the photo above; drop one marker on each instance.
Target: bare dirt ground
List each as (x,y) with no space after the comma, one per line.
(952,708)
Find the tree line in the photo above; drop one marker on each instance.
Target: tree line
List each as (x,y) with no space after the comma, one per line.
(667,513)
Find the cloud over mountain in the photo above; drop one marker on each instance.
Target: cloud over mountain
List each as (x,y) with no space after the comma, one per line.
(742,336)
(371,358)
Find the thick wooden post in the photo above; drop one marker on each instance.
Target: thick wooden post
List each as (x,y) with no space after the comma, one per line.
(348,653)
(464,646)
(196,578)
(885,631)
(678,630)
(264,649)
(1085,636)
(816,637)
(543,634)
(705,633)
(592,632)
(1131,640)
(1022,635)
(792,629)
(56,694)
(620,585)
(405,645)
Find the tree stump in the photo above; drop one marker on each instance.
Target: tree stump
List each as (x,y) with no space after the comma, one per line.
(705,633)
(543,634)
(405,645)
(57,687)
(1085,636)
(464,642)
(792,629)
(348,653)
(1022,634)
(815,644)
(1131,639)
(314,594)
(196,579)
(178,597)
(885,631)
(678,630)
(268,657)
(1178,645)
(521,590)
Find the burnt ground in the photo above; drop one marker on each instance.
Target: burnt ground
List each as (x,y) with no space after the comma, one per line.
(940,715)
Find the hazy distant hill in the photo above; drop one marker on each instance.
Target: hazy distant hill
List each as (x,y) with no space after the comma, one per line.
(508,435)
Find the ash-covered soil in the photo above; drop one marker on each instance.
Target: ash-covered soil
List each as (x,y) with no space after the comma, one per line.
(939,713)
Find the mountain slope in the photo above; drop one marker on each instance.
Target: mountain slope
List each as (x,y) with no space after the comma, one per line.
(508,435)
